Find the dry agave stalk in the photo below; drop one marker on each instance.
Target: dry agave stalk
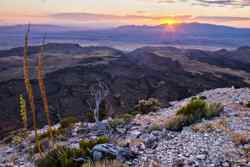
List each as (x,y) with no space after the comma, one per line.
(23,111)
(29,88)
(41,82)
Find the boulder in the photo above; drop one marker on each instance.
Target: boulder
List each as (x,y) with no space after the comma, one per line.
(102,151)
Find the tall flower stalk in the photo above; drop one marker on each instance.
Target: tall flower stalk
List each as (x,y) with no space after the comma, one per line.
(29,88)
(23,111)
(41,82)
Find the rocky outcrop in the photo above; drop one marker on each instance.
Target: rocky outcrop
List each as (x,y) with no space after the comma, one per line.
(163,73)
(209,143)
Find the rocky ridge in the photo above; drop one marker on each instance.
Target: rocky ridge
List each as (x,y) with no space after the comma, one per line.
(210,143)
(165,73)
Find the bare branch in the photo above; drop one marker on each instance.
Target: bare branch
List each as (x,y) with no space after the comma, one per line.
(99,91)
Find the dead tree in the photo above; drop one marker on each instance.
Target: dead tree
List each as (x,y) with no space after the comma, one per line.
(99,91)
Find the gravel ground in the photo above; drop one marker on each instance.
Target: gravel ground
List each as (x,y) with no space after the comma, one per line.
(188,148)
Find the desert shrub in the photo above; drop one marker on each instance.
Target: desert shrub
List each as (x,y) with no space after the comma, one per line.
(68,122)
(196,110)
(114,123)
(121,120)
(127,117)
(247,150)
(60,157)
(106,163)
(146,106)
(240,138)
(132,112)
(87,145)
(248,104)
(213,110)
(176,123)
(154,127)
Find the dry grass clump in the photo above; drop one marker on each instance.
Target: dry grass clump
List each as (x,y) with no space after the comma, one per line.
(154,127)
(196,110)
(146,106)
(221,124)
(240,138)
(176,123)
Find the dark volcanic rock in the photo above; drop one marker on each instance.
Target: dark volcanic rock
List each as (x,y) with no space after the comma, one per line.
(137,75)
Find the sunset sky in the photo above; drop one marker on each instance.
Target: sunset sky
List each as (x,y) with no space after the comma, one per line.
(106,13)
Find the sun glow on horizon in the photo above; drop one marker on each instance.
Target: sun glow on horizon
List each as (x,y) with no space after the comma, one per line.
(171,21)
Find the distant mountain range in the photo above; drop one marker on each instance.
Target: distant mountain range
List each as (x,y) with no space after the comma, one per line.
(179,34)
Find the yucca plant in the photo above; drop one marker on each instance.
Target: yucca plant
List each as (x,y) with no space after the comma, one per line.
(29,88)
(41,82)
(23,111)
(61,157)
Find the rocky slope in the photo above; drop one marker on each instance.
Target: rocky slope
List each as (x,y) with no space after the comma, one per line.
(165,73)
(209,143)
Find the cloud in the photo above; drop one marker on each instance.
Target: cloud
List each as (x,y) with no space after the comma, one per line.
(221,18)
(107,20)
(107,17)
(142,19)
(220,3)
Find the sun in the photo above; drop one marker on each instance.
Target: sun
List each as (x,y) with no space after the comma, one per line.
(171,21)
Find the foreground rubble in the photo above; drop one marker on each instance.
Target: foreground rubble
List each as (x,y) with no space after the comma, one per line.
(210,143)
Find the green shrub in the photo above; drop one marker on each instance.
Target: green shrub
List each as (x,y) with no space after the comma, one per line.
(196,110)
(87,145)
(114,123)
(68,122)
(213,110)
(146,106)
(102,140)
(121,120)
(60,157)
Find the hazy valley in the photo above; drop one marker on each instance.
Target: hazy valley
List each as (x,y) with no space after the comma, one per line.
(128,38)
